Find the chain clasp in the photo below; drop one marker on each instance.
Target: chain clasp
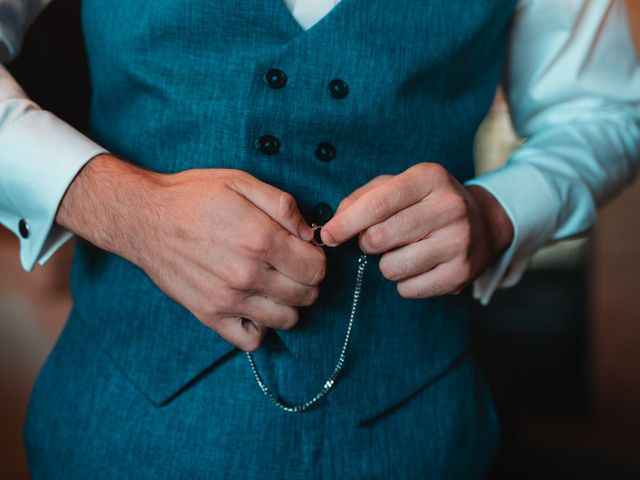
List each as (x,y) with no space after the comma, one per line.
(317,239)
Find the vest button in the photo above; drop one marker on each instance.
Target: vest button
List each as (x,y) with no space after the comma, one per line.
(276,78)
(268,144)
(321,213)
(325,152)
(338,88)
(23,228)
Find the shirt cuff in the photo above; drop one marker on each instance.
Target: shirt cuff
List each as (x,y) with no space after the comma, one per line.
(41,156)
(524,194)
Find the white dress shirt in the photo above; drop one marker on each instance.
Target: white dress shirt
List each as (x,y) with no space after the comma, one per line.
(573,85)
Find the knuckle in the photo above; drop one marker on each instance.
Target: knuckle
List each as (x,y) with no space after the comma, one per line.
(251,342)
(210,319)
(463,240)
(274,319)
(318,274)
(431,170)
(459,206)
(287,206)
(407,267)
(422,290)
(289,321)
(387,268)
(318,270)
(258,245)
(239,180)
(438,171)
(307,297)
(227,302)
(406,291)
(344,203)
(377,236)
(377,206)
(423,168)
(215,301)
(312,296)
(244,278)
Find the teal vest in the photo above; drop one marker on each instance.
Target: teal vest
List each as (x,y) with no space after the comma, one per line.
(182,84)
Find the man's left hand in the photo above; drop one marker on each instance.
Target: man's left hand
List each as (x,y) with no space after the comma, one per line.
(436,236)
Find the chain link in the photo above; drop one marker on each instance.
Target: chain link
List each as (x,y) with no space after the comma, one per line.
(328,385)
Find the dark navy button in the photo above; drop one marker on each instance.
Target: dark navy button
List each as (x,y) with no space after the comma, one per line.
(23,228)
(268,144)
(276,78)
(321,214)
(325,152)
(338,88)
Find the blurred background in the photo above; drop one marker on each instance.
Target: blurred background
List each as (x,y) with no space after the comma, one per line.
(561,350)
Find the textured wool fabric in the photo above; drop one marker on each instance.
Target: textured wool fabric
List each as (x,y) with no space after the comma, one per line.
(137,387)
(88,420)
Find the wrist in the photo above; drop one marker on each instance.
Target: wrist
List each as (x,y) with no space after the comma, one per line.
(110,204)
(498,228)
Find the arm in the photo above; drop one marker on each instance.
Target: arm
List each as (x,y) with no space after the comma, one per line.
(39,153)
(574,87)
(573,84)
(232,250)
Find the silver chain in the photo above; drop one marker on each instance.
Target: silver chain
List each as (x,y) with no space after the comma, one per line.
(328,385)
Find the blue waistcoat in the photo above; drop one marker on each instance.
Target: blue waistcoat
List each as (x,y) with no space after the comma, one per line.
(181,84)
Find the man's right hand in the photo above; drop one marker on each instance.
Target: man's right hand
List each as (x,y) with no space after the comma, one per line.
(231,249)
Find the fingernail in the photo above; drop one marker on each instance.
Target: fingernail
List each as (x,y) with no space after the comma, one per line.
(305,232)
(327,239)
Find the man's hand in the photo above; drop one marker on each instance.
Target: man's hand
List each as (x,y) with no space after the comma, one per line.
(435,235)
(231,249)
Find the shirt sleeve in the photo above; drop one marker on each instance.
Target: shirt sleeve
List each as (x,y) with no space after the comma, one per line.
(39,153)
(572,81)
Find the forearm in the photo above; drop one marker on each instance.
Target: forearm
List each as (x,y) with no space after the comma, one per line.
(572,83)
(110,203)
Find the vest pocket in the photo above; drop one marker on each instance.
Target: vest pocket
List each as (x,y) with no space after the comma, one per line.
(155,342)
(370,416)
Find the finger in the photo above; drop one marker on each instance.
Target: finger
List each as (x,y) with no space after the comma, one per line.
(265,312)
(284,290)
(407,226)
(415,258)
(441,280)
(241,332)
(373,207)
(380,179)
(301,261)
(279,205)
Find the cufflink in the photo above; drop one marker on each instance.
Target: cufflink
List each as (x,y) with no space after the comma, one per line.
(23,228)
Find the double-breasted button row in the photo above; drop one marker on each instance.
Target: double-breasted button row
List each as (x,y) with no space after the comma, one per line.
(277,79)
(338,89)
(270,145)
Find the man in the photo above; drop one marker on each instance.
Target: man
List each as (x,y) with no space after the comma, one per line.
(241,125)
